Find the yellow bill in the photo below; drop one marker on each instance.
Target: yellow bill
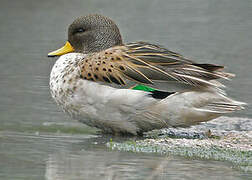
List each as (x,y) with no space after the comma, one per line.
(67,48)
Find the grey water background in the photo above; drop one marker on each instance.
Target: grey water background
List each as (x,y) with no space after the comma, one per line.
(38,141)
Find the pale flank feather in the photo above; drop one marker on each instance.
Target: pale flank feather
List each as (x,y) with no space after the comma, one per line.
(188,108)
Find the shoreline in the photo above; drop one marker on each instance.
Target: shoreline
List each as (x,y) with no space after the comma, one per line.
(222,139)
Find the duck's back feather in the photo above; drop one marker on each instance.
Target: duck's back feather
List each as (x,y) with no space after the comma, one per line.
(149,64)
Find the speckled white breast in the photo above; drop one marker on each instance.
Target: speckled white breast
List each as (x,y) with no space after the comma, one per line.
(92,103)
(64,77)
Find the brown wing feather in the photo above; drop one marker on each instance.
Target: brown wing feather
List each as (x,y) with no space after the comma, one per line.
(176,65)
(147,63)
(100,67)
(109,66)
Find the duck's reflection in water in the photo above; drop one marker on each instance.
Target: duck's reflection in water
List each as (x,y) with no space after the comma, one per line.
(95,165)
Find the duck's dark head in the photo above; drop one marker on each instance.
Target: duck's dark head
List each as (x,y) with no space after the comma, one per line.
(91,33)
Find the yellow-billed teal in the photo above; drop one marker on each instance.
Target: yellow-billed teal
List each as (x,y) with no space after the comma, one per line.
(135,87)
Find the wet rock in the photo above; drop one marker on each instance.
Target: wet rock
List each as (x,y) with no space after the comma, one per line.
(225,139)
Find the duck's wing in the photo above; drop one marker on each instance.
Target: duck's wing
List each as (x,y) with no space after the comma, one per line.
(150,64)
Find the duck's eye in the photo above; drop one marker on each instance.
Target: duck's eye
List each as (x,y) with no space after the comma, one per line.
(79,30)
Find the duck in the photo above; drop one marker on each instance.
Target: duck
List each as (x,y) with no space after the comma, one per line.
(130,88)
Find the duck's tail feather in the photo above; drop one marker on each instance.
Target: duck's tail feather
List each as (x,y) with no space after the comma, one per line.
(223,107)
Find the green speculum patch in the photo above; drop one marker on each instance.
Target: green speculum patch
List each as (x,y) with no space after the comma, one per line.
(143,88)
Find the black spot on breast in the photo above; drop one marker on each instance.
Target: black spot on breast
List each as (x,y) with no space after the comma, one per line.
(104,69)
(89,74)
(122,68)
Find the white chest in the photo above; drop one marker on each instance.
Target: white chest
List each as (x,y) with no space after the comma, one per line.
(64,78)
